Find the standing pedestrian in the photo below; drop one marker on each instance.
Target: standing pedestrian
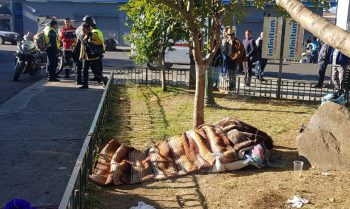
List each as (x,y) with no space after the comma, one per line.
(314,49)
(262,61)
(339,63)
(91,50)
(234,50)
(52,50)
(323,60)
(251,55)
(68,38)
(216,67)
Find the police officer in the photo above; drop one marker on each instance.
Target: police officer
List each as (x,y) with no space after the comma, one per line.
(91,50)
(52,50)
(90,21)
(99,70)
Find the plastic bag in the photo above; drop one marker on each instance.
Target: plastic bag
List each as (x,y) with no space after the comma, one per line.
(218,166)
(142,205)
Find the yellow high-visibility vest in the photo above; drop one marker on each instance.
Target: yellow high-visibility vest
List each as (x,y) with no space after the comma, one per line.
(100,35)
(47,30)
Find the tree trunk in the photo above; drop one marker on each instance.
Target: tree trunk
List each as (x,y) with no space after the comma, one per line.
(319,26)
(198,109)
(164,87)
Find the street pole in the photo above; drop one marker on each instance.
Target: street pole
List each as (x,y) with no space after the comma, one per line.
(279,82)
(12,20)
(192,81)
(209,97)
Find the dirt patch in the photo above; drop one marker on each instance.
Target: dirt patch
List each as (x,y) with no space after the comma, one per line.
(270,200)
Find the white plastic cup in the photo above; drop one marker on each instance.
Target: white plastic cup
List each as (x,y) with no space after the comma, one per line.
(298,167)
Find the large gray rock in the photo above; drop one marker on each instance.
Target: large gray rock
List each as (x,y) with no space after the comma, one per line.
(325,142)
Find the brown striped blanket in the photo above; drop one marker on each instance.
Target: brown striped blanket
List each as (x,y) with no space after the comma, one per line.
(200,150)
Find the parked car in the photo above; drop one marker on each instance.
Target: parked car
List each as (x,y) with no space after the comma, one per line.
(7,36)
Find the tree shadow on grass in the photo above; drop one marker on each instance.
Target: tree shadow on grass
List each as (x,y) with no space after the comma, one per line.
(265,100)
(219,107)
(178,192)
(118,120)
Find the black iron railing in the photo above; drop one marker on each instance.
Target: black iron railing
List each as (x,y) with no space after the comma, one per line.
(290,89)
(74,194)
(144,75)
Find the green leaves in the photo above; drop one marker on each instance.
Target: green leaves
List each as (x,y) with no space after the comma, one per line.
(154,28)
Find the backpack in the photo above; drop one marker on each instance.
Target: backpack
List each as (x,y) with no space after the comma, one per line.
(40,41)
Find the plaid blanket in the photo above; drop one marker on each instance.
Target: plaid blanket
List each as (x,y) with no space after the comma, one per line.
(198,150)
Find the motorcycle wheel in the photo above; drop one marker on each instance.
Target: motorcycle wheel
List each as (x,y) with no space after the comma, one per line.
(18,70)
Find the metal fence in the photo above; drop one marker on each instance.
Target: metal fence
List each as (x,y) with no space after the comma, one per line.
(144,75)
(74,194)
(290,89)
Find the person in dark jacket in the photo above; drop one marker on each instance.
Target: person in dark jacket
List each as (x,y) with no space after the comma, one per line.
(52,50)
(339,63)
(251,55)
(216,66)
(323,59)
(235,54)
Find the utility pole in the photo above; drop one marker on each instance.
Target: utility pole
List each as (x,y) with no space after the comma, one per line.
(209,97)
(12,19)
(343,14)
(279,82)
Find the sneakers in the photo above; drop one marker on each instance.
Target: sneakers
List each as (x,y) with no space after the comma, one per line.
(53,80)
(105,80)
(318,85)
(83,87)
(95,79)
(261,79)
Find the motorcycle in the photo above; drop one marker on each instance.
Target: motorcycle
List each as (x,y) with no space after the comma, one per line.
(28,59)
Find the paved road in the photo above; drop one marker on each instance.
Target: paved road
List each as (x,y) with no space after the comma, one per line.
(43,129)
(295,71)
(9,88)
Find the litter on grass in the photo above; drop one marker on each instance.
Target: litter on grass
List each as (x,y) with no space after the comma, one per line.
(142,205)
(297,201)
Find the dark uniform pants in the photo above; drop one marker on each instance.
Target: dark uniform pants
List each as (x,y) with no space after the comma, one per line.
(79,69)
(52,61)
(99,70)
(95,67)
(68,58)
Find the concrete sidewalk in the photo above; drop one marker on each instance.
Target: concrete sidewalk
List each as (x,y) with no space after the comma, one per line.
(43,129)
